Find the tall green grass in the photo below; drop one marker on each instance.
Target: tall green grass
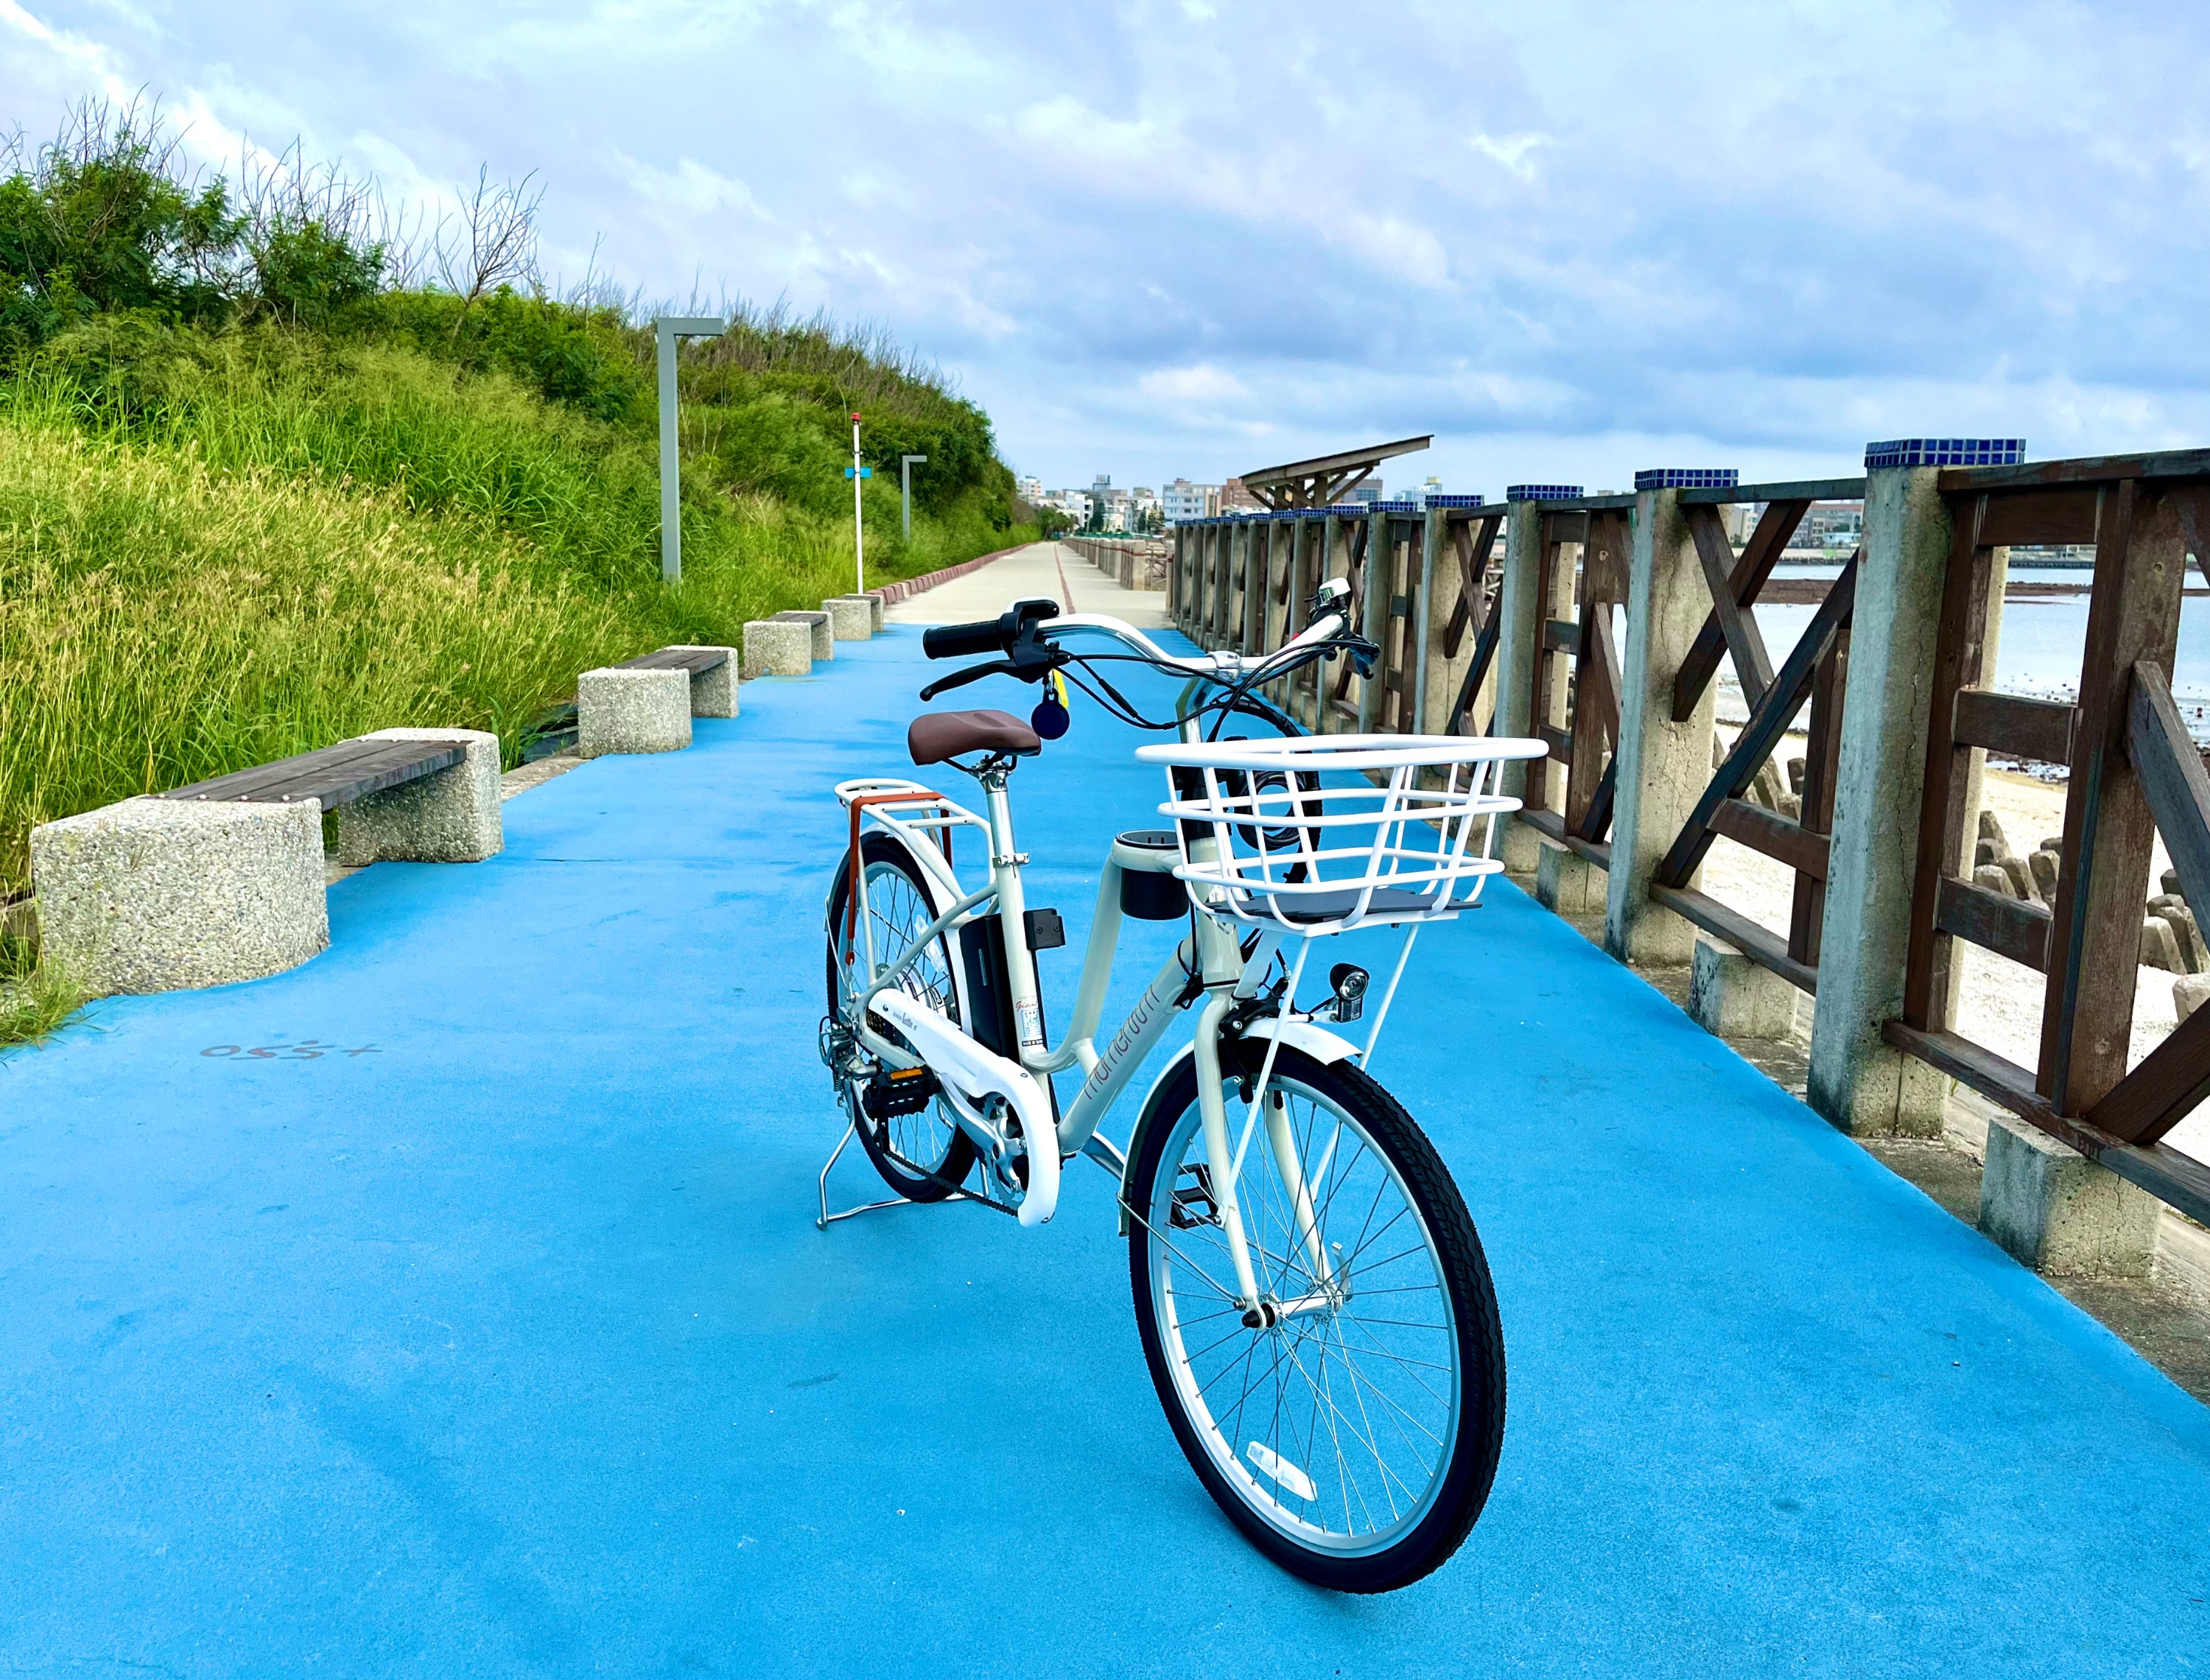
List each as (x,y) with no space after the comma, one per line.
(266,559)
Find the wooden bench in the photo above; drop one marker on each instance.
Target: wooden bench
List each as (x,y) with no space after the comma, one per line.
(696,660)
(224,880)
(646,704)
(332,776)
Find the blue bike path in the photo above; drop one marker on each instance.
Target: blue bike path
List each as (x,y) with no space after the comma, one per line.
(480,1325)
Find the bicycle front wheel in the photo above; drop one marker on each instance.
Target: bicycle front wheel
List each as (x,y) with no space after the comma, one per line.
(1352,1432)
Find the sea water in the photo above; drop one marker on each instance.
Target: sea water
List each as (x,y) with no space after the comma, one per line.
(2042,642)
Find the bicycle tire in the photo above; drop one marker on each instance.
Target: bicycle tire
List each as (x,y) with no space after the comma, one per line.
(886,1142)
(1278,1500)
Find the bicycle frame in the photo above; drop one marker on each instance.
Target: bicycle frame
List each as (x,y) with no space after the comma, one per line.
(1211,958)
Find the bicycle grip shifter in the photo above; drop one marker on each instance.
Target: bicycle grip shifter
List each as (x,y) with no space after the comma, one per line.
(991,635)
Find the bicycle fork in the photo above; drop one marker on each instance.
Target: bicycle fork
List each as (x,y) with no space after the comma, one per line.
(1224,1159)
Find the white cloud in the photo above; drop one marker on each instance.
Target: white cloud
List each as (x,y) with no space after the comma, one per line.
(1193,386)
(1755,233)
(1515,152)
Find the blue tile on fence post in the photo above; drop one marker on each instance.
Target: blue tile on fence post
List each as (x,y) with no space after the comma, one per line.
(1543,492)
(1946,452)
(1687,478)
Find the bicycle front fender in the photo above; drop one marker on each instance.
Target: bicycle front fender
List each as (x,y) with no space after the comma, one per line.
(974,1073)
(1315,1040)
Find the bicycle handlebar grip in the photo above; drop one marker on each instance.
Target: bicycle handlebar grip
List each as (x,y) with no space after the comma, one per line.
(953,641)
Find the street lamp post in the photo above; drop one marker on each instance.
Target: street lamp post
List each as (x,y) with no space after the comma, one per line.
(855,472)
(668,331)
(906,464)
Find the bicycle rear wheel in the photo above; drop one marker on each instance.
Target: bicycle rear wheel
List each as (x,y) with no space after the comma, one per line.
(1353,1434)
(921,1155)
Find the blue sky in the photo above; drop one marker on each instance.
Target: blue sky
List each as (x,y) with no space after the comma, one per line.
(1571,239)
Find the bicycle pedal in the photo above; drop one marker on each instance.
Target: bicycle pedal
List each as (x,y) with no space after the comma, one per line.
(897,1091)
(1194,1204)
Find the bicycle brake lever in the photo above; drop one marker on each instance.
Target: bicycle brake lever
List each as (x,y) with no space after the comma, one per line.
(974,673)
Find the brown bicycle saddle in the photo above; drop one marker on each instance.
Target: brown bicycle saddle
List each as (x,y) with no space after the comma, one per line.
(933,736)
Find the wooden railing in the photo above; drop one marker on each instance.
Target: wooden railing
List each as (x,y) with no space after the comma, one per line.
(1573,704)
(1815,669)
(1458,655)
(2134,773)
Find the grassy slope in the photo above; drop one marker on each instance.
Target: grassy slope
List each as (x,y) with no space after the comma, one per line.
(214,551)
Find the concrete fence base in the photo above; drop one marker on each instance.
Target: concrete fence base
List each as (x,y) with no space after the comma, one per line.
(775,647)
(2058,1212)
(164,894)
(450,817)
(622,710)
(1736,998)
(1567,882)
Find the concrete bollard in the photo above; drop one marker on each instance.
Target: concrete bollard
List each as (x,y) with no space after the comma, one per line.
(1736,998)
(166,894)
(1567,882)
(851,617)
(774,648)
(623,711)
(2057,1211)
(1662,766)
(1857,1080)
(450,817)
(821,635)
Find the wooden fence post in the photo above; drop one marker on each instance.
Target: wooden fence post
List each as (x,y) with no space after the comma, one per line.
(1216,614)
(1258,583)
(1857,1080)
(1331,562)
(2094,941)
(1427,707)
(1662,767)
(1380,579)
(1518,645)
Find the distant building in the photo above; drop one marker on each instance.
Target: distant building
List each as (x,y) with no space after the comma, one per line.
(1368,491)
(1234,497)
(1029,490)
(1182,501)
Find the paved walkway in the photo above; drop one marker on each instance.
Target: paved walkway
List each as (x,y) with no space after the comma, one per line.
(1051,570)
(451,1305)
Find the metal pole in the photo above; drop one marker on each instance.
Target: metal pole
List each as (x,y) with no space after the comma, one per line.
(667,333)
(905,490)
(859,539)
(671,490)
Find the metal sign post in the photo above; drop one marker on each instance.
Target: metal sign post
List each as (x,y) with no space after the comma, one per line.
(906,464)
(855,472)
(668,331)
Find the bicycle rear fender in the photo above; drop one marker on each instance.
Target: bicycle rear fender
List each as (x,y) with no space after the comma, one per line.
(1315,1040)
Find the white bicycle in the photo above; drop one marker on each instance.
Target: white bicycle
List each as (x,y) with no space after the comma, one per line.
(1313,1298)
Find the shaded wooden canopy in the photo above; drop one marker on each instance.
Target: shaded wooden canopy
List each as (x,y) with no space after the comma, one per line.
(1326,478)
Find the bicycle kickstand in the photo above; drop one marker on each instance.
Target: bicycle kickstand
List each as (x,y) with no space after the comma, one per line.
(828,1219)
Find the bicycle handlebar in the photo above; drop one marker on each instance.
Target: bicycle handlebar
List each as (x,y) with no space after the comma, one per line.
(952,641)
(991,635)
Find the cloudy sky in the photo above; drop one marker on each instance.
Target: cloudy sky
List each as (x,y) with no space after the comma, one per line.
(1570,239)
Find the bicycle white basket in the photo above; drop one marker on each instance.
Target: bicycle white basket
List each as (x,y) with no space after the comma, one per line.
(1317,834)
